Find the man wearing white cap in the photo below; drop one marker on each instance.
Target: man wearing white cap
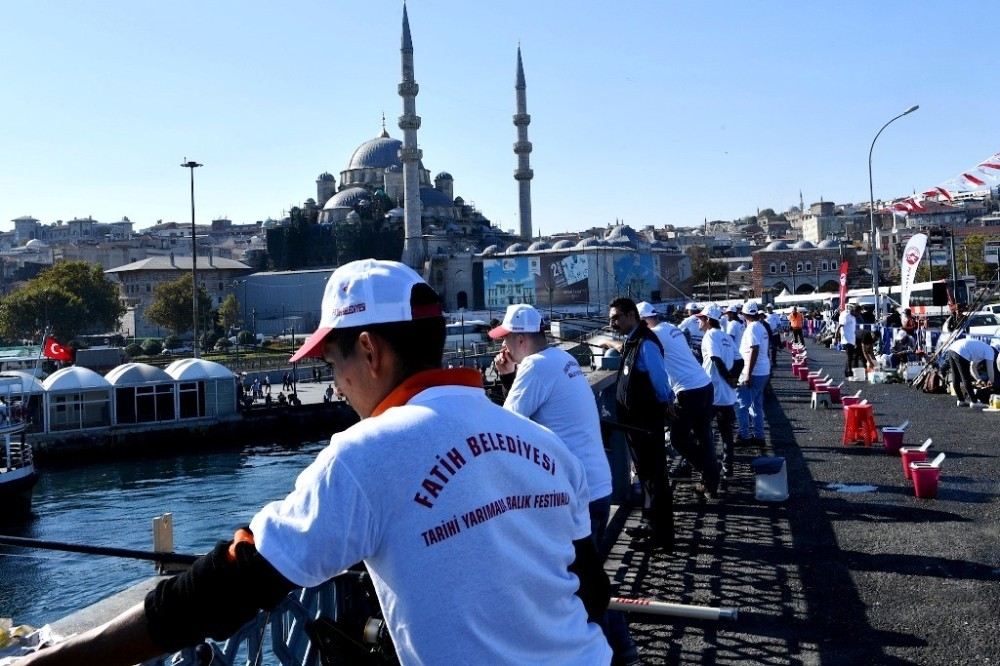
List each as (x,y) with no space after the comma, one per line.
(471,519)
(718,352)
(546,385)
(847,327)
(774,333)
(689,327)
(694,401)
(964,356)
(734,327)
(753,378)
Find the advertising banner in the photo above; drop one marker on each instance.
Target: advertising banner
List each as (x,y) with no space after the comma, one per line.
(912,254)
(540,280)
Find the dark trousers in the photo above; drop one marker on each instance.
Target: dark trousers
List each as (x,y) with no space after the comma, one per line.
(853,356)
(725,422)
(773,343)
(650,459)
(694,417)
(797,336)
(960,373)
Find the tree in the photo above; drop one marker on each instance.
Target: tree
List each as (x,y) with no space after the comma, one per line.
(703,269)
(229,313)
(171,306)
(68,298)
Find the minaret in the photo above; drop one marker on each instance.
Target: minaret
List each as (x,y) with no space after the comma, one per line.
(410,155)
(522,148)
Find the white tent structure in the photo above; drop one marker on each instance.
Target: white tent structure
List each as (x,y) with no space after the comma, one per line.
(76,398)
(204,388)
(143,394)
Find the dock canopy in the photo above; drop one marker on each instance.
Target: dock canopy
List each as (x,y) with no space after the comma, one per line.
(32,400)
(77,398)
(204,388)
(143,394)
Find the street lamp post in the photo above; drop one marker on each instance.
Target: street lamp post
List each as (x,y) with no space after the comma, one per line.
(192,165)
(873,241)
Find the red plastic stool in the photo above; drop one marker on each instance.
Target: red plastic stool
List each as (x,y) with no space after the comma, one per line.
(859,424)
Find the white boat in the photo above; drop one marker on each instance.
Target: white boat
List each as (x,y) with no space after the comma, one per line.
(17,467)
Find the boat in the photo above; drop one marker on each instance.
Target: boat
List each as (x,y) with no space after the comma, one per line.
(17,466)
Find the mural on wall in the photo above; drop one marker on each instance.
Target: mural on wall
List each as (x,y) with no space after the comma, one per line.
(635,276)
(537,280)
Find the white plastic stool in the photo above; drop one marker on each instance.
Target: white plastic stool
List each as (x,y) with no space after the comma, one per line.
(820,398)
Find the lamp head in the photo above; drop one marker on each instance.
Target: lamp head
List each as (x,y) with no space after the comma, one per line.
(911,109)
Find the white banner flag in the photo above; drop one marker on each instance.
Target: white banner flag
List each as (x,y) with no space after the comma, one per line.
(908,269)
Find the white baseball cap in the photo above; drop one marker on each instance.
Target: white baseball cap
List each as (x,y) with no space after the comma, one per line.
(691,307)
(521,318)
(711,311)
(733,308)
(750,308)
(362,293)
(645,310)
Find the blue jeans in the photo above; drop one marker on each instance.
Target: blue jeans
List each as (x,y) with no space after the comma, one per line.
(751,399)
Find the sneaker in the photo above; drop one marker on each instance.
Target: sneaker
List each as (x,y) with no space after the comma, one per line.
(727,470)
(959,403)
(643,529)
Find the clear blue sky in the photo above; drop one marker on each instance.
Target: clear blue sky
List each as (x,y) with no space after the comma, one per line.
(654,112)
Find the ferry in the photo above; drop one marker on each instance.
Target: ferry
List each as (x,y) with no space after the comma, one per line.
(17,468)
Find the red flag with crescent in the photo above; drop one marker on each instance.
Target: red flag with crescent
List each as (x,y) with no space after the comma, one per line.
(52,349)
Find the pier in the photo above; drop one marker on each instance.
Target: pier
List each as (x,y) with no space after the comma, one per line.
(851,569)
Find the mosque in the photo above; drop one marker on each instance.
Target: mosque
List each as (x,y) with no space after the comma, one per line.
(471,263)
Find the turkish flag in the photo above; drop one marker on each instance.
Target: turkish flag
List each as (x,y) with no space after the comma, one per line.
(55,351)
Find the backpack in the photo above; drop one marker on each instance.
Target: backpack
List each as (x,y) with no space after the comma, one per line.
(933,382)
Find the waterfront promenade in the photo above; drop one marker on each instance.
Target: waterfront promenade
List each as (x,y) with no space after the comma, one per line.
(832,577)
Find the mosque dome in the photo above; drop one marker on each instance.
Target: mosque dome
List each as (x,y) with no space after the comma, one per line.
(459,201)
(623,232)
(538,246)
(325,176)
(433,198)
(35,244)
(562,245)
(776,245)
(803,245)
(589,242)
(490,251)
(516,247)
(378,153)
(347,198)
(828,244)
(444,175)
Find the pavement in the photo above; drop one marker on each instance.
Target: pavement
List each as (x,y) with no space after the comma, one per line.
(833,577)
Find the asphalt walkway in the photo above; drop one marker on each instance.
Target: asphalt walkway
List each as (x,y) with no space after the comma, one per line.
(834,577)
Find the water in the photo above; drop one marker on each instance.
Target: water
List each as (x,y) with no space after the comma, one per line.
(113,504)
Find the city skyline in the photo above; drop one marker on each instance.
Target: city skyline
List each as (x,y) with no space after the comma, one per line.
(654,113)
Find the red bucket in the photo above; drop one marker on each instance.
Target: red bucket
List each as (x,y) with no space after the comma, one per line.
(892,439)
(911,455)
(803,372)
(849,400)
(925,479)
(834,392)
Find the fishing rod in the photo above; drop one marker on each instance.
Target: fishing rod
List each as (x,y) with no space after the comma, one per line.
(128,553)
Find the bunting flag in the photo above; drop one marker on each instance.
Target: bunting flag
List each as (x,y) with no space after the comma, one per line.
(985,174)
(911,260)
(52,349)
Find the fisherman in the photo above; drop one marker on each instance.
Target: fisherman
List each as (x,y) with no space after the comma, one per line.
(644,400)
(753,378)
(964,357)
(691,430)
(847,328)
(718,352)
(546,385)
(796,321)
(689,327)
(472,520)
(773,327)
(734,328)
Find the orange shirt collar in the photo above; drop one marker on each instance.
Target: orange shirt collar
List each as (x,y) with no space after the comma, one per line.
(425,380)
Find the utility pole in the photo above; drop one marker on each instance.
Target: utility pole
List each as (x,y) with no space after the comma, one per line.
(192,165)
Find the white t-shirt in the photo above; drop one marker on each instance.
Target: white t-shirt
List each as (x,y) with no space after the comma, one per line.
(683,371)
(690,326)
(718,343)
(550,389)
(755,336)
(735,328)
(774,321)
(849,330)
(465,514)
(975,352)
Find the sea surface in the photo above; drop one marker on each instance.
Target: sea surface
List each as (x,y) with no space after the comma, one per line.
(113,504)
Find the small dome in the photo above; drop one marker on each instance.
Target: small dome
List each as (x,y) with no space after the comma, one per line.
(623,231)
(75,378)
(36,244)
(828,244)
(490,251)
(29,383)
(803,245)
(134,374)
(444,175)
(432,198)
(776,245)
(589,242)
(538,246)
(310,200)
(516,247)
(562,245)
(188,369)
(742,268)
(347,198)
(325,176)
(459,201)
